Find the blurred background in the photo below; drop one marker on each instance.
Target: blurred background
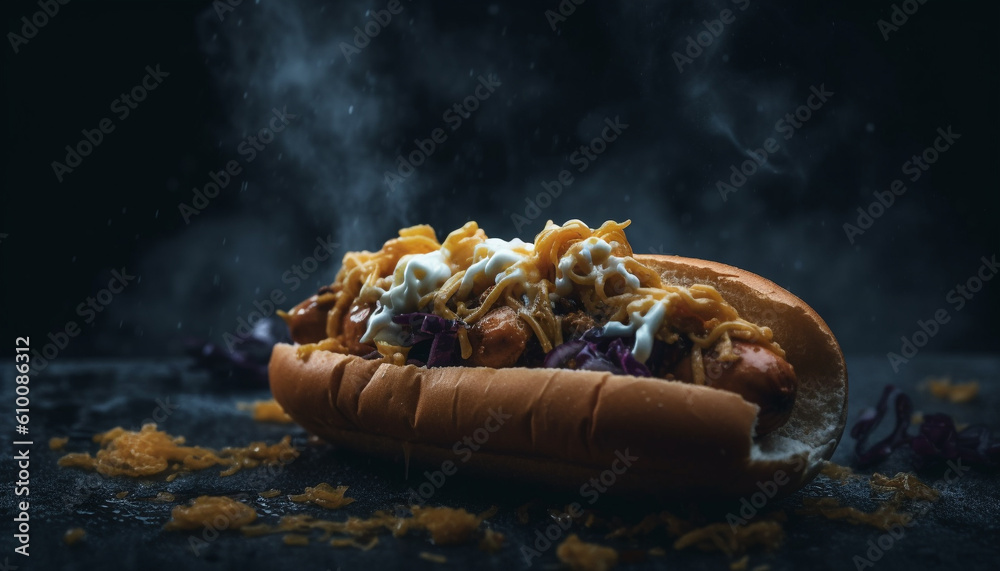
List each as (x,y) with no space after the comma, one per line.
(326,127)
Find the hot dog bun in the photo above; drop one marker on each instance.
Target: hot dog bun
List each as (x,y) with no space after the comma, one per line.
(567,426)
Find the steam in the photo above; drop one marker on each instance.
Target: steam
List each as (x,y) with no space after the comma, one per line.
(325,174)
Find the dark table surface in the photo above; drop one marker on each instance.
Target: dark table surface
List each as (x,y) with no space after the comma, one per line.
(79,399)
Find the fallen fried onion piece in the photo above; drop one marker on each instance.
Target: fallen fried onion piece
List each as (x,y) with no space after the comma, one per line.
(906,485)
(581,556)
(324,495)
(433,557)
(266,411)
(149,452)
(882,518)
(74,535)
(733,540)
(957,393)
(220,512)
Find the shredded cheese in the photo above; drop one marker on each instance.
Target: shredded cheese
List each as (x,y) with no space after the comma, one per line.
(469,273)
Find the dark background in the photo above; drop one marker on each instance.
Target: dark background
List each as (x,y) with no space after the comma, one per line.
(325,174)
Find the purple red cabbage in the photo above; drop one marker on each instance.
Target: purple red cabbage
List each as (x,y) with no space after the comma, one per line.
(244,356)
(433,340)
(940,440)
(593,352)
(937,440)
(870,419)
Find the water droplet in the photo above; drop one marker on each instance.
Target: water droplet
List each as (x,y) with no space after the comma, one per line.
(350,110)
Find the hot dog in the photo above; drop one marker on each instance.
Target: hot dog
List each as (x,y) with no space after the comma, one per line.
(718,376)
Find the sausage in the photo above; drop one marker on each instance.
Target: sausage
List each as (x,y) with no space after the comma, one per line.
(307,323)
(759,375)
(307,320)
(353,327)
(498,339)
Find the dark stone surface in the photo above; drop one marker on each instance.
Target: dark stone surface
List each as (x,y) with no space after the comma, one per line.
(78,399)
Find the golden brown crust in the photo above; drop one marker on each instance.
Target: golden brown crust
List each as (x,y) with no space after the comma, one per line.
(809,344)
(566,426)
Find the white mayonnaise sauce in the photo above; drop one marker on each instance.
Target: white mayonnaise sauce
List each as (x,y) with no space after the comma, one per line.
(415,276)
(596,253)
(496,260)
(644,326)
